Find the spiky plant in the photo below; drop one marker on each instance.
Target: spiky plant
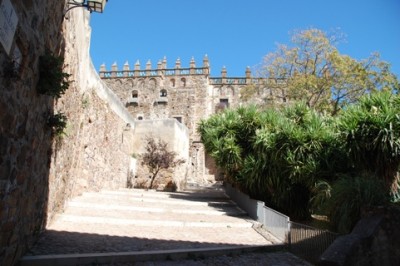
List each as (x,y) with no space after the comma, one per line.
(349,195)
(371,132)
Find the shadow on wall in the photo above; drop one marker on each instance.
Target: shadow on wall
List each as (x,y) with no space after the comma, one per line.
(27,137)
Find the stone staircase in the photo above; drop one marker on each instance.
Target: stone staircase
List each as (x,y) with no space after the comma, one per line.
(130,225)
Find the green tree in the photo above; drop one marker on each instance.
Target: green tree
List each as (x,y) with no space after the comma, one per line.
(157,157)
(314,71)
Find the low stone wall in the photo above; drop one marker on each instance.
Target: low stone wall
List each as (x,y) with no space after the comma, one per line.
(173,133)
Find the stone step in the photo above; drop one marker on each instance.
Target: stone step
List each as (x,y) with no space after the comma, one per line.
(147,214)
(229,211)
(131,220)
(150,223)
(150,201)
(189,194)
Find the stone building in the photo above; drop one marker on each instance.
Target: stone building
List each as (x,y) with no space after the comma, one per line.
(187,94)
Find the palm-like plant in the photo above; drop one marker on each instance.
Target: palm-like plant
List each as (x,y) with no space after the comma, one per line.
(371,132)
(294,149)
(227,137)
(292,156)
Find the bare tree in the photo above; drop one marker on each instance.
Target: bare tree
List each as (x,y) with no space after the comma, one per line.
(157,157)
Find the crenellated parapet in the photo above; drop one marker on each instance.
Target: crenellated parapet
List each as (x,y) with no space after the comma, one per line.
(160,70)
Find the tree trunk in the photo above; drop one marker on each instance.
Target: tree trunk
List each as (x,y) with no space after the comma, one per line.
(152,179)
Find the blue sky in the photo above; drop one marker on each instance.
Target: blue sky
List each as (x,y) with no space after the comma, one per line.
(237,33)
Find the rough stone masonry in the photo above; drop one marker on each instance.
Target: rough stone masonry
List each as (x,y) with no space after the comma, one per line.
(39,172)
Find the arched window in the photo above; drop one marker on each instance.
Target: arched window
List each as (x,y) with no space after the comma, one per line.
(152,83)
(230,91)
(172,83)
(140,84)
(135,94)
(183,82)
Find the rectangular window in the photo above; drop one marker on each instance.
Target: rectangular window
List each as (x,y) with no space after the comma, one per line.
(224,103)
(179,118)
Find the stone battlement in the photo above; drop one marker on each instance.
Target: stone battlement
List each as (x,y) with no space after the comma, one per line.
(163,70)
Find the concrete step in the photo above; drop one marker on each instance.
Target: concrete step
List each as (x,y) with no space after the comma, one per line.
(167,203)
(151,223)
(92,210)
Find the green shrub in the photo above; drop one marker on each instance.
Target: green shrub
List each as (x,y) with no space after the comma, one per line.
(52,80)
(349,196)
(58,123)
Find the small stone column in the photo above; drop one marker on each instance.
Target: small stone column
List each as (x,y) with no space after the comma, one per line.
(192,66)
(126,69)
(177,66)
(114,70)
(248,75)
(160,71)
(136,71)
(148,67)
(223,74)
(102,70)
(206,65)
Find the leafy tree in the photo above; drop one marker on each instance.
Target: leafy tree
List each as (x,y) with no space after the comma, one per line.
(314,71)
(157,157)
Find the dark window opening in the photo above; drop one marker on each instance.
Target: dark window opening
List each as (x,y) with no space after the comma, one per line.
(163,93)
(179,118)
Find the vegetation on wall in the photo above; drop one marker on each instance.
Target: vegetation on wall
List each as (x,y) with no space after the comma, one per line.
(52,80)
(57,123)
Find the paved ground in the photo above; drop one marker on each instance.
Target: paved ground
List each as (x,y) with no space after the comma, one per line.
(138,220)
(252,259)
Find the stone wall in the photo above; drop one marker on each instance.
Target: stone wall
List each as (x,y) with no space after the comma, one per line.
(25,140)
(96,151)
(38,172)
(184,96)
